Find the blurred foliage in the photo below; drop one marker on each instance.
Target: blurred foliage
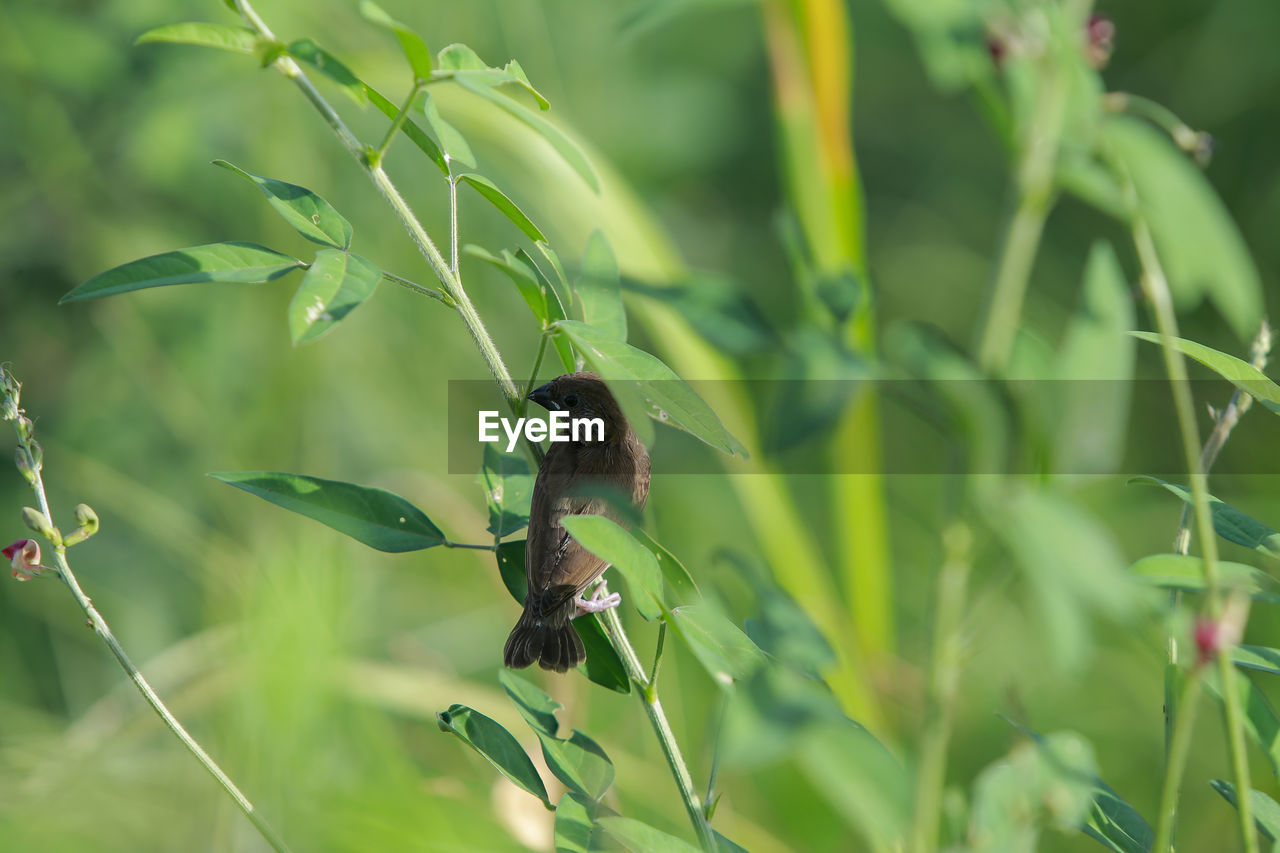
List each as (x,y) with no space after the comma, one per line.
(313,668)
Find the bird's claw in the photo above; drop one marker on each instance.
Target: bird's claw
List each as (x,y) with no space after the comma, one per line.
(602,600)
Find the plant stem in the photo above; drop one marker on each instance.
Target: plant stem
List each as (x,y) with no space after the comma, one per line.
(1035,188)
(944,680)
(419,289)
(453,223)
(100,627)
(1156,289)
(465,545)
(375,157)
(489,351)
(290,69)
(657,717)
(1179,747)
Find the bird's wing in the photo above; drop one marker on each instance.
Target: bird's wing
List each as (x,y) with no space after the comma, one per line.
(556,565)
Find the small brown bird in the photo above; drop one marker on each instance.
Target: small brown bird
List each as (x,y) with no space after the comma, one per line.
(557,568)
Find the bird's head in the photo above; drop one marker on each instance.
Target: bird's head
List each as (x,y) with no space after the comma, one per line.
(582,395)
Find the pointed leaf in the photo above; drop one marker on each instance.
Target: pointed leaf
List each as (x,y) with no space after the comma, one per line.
(1230,523)
(725,652)
(578,762)
(667,397)
(497,745)
(615,546)
(1198,243)
(312,216)
(508,489)
(678,579)
(217,36)
(1180,571)
(306,50)
(452,142)
(597,292)
(564,145)
(1238,372)
(245,263)
(575,824)
(415,49)
(375,517)
(1257,657)
(537,708)
(505,205)
(336,284)
(1260,721)
(639,837)
(1266,811)
(416,135)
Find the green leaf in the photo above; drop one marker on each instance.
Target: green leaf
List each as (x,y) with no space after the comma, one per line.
(217,36)
(521,274)
(1266,811)
(1180,571)
(1260,721)
(579,763)
(1230,523)
(867,787)
(667,398)
(461,63)
(416,135)
(306,50)
(603,665)
(312,216)
(497,745)
(599,299)
(639,837)
(1096,365)
(508,489)
(1257,657)
(575,824)
(379,519)
(452,142)
(245,263)
(511,567)
(1239,373)
(620,549)
(678,579)
(564,145)
(505,205)
(537,708)
(1198,243)
(415,49)
(725,652)
(336,284)
(1071,562)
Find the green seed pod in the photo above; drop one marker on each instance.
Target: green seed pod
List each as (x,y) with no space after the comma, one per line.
(23,463)
(87,519)
(40,523)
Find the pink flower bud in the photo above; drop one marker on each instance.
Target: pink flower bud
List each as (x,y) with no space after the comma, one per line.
(1101,32)
(24,555)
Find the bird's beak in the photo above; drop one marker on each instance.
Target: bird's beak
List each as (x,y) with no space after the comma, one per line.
(542,396)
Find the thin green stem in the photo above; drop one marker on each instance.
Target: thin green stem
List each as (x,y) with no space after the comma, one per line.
(944,681)
(375,156)
(1184,136)
(103,630)
(1179,748)
(1156,289)
(533,374)
(658,719)
(454,259)
(290,69)
(465,545)
(419,289)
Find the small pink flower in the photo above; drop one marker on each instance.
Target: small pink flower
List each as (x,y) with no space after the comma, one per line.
(25,558)
(1213,637)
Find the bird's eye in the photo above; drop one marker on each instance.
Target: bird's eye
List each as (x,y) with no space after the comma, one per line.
(571,400)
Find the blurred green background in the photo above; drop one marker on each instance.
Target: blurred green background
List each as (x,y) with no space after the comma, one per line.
(311,667)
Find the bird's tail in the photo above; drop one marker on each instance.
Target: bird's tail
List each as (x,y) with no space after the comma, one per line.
(548,638)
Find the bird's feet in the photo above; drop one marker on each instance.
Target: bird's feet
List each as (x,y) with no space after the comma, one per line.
(602,600)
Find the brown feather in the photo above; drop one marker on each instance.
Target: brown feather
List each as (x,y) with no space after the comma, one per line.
(557,568)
